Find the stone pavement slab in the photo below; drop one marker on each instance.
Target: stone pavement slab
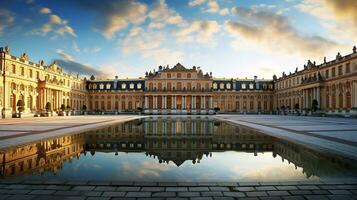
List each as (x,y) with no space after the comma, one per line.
(264,190)
(16,132)
(324,134)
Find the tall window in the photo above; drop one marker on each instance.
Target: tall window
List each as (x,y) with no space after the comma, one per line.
(244,86)
(14,69)
(168,75)
(348,68)
(340,70)
(189,75)
(178,75)
(333,73)
(22,71)
(30,73)
(327,73)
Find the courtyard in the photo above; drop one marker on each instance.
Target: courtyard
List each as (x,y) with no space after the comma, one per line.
(334,137)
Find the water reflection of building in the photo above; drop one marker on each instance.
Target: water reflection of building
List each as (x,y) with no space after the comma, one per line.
(47,155)
(175,139)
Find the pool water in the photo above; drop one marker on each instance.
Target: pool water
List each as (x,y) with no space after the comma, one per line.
(171,149)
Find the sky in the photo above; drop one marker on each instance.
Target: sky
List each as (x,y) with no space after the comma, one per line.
(230,38)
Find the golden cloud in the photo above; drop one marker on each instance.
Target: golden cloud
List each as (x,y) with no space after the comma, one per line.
(274,33)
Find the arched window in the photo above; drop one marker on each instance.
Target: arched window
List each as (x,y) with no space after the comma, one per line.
(139,85)
(101,86)
(244,86)
(123,86)
(251,86)
(131,86)
(108,86)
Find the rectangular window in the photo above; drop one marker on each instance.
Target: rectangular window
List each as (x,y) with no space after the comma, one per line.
(340,70)
(168,75)
(348,68)
(327,73)
(333,73)
(22,71)
(188,75)
(189,87)
(37,75)
(30,73)
(14,69)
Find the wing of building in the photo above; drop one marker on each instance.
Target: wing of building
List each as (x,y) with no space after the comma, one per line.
(329,87)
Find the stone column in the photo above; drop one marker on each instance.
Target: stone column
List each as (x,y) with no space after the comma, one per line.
(318,97)
(183,102)
(165,102)
(193,103)
(155,102)
(174,105)
(146,103)
(210,105)
(354,95)
(162,102)
(203,102)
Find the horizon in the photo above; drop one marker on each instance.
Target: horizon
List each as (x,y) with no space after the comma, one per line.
(128,38)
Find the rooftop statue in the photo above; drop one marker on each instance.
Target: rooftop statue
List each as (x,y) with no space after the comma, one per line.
(7,50)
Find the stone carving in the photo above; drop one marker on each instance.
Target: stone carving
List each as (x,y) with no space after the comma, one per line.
(7,50)
(338,56)
(354,49)
(24,56)
(92,78)
(42,62)
(274,77)
(325,59)
(296,70)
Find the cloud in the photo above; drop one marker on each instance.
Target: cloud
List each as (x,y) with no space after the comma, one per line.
(64,55)
(68,63)
(45,11)
(75,67)
(161,15)
(198,31)
(114,16)
(149,44)
(212,6)
(55,25)
(338,17)
(273,32)
(6,19)
(196,2)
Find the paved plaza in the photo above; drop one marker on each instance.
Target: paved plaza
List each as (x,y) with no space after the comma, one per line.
(329,135)
(328,190)
(14,132)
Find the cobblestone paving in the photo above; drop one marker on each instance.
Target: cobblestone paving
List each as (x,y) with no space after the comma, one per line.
(331,190)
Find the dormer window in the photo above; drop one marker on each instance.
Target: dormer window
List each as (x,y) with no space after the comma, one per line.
(244,86)
(131,86)
(123,86)
(108,86)
(228,86)
(221,86)
(215,86)
(251,86)
(101,86)
(138,85)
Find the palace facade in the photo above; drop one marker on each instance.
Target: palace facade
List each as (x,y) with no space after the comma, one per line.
(329,87)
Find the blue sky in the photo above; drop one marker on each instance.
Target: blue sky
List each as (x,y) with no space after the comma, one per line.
(227,37)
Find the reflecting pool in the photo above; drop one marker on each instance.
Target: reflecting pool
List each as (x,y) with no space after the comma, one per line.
(170,149)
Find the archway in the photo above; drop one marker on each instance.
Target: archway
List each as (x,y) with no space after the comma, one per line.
(348,101)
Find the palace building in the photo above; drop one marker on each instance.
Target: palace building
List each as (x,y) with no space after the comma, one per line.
(329,87)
